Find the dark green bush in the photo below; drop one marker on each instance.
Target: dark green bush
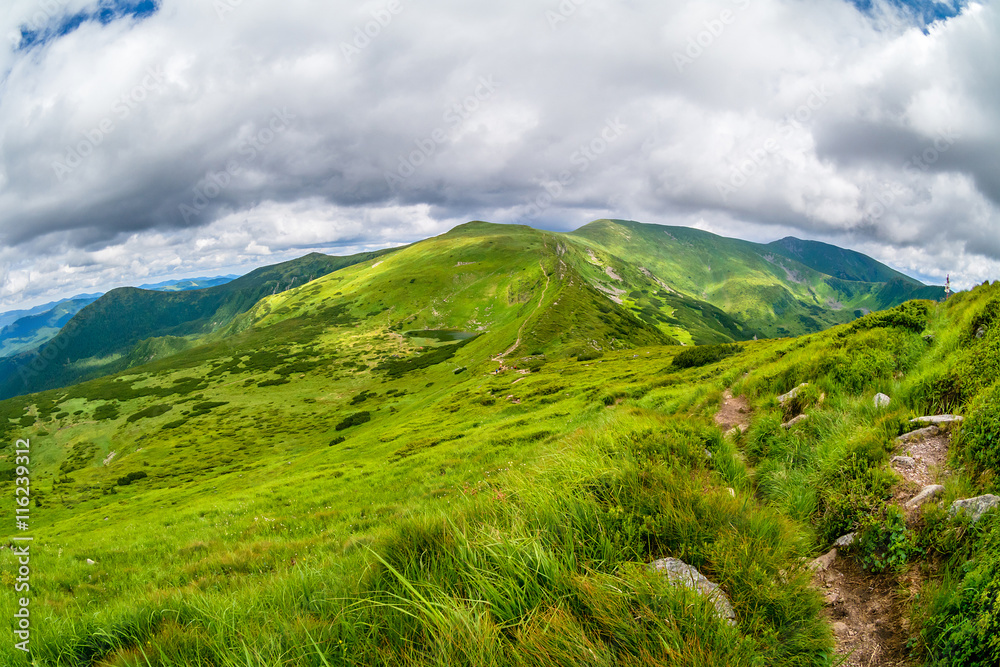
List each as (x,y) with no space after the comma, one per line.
(912,315)
(151,411)
(981,430)
(702,355)
(883,541)
(354,420)
(962,622)
(131,477)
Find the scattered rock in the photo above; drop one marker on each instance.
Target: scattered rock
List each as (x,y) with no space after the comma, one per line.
(792,422)
(784,398)
(840,628)
(734,432)
(919,434)
(90,562)
(708,454)
(937,419)
(926,494)
(928,338)
(682,574)
(844,541)
(904,462)
(975,507)
(732,492)
(823,563)
(882,401)
(110,456)
(981,331)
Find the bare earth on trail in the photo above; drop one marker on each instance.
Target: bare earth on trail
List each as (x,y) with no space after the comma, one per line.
(733,412)
(867,612)
(869,625)
(930,454)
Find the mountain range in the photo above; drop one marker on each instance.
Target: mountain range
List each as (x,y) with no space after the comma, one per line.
(607,285)
(22,330)
(478,448)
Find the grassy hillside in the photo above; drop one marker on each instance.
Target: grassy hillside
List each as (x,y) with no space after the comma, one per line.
(614,284)
(464,452)
(769,289)
(101,338)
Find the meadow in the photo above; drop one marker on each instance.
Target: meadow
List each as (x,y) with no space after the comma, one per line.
(317,487)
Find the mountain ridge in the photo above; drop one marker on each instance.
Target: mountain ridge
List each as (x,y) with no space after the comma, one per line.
(626,282)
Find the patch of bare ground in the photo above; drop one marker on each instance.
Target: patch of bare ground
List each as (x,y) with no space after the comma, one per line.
(734,411)
(867,614)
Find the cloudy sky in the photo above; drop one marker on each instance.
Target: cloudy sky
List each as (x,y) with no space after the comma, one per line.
(142,140)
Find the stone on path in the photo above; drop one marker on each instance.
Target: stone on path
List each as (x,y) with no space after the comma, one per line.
(906,462)
(919,434)
(823,563)
(926,494)
(937,419)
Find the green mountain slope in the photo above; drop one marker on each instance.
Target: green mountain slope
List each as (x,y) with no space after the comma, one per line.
(838,262)
(339,480)
(101,338)
(31,331)
(608,285)
(767,292)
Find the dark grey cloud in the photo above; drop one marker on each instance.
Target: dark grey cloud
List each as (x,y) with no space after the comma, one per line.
(237,135)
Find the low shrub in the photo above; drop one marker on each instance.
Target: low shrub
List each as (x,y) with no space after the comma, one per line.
(980,433)
(702,355)
(354,420)
(884,542)
(131,477)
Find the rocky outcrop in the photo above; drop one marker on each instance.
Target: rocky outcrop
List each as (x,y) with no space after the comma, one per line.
(919,434)
(937,420)
(975,507)
(784,398)
(797,420)
(927,494)
(844,541)
(905,462)
(680,573)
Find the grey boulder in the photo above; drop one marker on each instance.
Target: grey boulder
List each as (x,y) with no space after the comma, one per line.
(680,573)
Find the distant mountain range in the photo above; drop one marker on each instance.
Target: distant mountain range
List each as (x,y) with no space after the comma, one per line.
(609,284)
(22,330)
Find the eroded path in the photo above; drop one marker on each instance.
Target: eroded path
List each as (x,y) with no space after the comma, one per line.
(517,343)
(868,611)
(734,412)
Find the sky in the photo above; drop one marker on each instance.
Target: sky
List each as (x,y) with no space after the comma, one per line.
(155,139)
